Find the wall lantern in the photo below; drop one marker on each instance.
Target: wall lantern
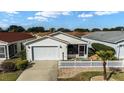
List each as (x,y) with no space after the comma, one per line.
(28,47)
(60,46)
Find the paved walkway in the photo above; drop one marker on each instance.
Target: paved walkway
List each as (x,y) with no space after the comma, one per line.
(40,71)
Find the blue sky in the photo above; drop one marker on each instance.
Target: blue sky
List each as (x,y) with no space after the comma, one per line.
(66,19)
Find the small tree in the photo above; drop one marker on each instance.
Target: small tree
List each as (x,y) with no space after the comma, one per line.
(23,54)
(105,55)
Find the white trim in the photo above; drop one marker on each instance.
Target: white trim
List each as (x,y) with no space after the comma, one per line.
(59,32)
(7,47)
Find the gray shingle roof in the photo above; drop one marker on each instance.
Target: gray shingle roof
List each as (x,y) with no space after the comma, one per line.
(107,36)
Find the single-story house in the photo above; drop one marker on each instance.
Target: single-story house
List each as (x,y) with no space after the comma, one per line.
(113,39)
(56,46)
(11,43)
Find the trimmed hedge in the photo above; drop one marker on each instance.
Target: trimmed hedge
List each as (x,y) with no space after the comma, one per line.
(8,66)
(14,64)
(21,64)
(98,47)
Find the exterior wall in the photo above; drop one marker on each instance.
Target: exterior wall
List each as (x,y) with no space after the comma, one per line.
(120,47)
(47,42)
(115,46)
(70,39)
(18,47)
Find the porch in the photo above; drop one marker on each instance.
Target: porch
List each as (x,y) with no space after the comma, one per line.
(75,51)
(10,50)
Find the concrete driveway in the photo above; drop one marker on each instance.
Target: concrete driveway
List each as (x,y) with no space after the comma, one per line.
(40,71)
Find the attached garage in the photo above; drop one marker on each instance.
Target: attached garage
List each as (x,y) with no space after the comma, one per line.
(46,48)
(54,47)
(45,53)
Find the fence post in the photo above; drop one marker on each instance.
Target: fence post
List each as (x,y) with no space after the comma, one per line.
(122,63)
(107,64)
(59,64)
(91,63)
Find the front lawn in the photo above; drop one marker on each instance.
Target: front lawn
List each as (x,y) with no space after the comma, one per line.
(11,69)
(118,76)
(9,76)
(86,76)
(83,76)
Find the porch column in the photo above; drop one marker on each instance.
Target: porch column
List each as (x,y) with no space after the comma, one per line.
(7,51)
(87,50)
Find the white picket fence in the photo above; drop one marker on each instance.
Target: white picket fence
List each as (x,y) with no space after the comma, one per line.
(83,64)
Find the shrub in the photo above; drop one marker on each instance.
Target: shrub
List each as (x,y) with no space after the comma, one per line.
(98,47)
(21,64)
(115,69)
(23,54)
(8,66)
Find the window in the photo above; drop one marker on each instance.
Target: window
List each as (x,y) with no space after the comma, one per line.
(2,52)
(1,49)
(12,50)
(72,49)
(15,48)
(22,46)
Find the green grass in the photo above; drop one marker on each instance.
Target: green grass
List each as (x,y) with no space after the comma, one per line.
(9,76)
(119,76)
(86,76)
(83,76)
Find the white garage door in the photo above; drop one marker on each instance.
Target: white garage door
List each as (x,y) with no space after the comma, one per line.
(46,53)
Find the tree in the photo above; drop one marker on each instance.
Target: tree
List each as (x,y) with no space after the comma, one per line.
(36,29)
(20,29)
(64,30)
(95,29)
(81,30)
(105,55)
(15,28)
(60,29)
(52,29)
(119,28)
(106,29)
(1,30)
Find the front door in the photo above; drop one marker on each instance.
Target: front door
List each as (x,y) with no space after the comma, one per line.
(81,50)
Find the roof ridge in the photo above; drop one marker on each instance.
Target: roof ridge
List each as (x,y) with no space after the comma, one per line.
(59,39)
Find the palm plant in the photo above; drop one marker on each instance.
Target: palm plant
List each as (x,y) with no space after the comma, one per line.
(105,55)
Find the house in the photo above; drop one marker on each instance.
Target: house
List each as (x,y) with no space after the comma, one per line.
(56,46)
(113,39)
(11,43)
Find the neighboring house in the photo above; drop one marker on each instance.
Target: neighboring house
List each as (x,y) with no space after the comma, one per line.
(11,43)
(113,39)
(56,46)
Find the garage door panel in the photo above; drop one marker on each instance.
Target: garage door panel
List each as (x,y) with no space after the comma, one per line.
(45,53)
